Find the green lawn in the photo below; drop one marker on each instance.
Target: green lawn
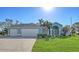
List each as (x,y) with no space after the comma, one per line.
(68,44)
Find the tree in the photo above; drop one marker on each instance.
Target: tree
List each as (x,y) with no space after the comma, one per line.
(66,29)
(41,22)
(8,24)
(5,30)
(17,22)
(48,25)
(45,24)
(77,23)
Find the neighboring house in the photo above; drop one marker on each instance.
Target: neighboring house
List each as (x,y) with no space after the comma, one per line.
(66,30)
(68,33)
(24,30)
(56,29)
(76,27)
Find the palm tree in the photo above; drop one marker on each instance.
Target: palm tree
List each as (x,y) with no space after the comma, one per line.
(41,21)
(48,25)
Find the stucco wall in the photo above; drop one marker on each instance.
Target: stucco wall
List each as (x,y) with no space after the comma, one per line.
(25,32)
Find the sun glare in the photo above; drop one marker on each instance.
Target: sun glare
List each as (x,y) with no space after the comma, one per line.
(47,8)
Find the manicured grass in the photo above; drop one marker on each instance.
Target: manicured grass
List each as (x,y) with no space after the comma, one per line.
(67,44)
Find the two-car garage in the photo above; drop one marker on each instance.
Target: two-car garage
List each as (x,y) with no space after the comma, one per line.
(24,30)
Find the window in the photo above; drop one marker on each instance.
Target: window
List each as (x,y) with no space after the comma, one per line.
(18,31)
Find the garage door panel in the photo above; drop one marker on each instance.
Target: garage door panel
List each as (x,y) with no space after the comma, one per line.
(29,32)
(13,32)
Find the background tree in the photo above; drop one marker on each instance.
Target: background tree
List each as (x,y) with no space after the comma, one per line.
(8,23)
(17,22)
(77,23)
(5,31)
(41,22)
(66,29)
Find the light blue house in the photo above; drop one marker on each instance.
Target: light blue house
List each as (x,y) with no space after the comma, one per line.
(56,29)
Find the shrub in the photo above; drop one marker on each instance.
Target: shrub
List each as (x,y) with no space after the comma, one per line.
(41,35)
(48,35)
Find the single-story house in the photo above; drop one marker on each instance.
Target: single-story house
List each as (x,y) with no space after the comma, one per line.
(76,28)
(24,30)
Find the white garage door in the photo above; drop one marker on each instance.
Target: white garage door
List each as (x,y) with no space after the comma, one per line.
(29,32)
(13,32)
(24,32)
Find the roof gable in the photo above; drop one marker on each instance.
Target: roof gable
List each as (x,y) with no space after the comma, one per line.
(57,24)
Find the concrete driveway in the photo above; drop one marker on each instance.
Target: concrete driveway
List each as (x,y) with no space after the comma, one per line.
(16,44)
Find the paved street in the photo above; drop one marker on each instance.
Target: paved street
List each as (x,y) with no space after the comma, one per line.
(16,44)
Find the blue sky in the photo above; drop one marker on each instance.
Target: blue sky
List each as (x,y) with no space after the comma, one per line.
(61,15)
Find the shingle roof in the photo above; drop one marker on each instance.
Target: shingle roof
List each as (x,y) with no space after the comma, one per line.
(55,23)
(26,26)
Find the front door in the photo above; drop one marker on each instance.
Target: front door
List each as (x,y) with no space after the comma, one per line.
(55,31)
